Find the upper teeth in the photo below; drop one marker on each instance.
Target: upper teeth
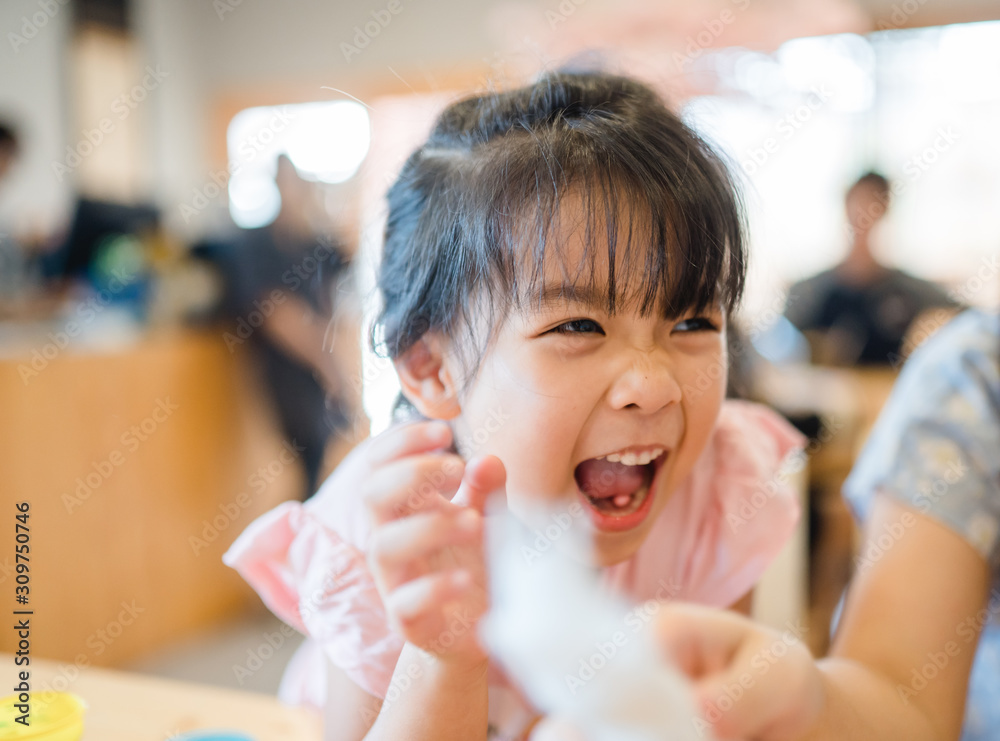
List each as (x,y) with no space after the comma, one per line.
(632,459)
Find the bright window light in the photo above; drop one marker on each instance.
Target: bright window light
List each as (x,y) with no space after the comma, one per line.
(844,64)
(330,141)
(326,141)
(970,57)
(254,200)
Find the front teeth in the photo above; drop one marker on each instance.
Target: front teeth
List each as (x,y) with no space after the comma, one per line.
(632,459)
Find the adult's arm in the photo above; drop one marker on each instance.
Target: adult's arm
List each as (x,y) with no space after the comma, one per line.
(900,663)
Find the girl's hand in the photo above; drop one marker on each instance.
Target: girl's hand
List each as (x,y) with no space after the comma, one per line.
(426,550)
(750,682)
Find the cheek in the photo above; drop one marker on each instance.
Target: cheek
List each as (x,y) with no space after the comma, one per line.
(703,385)
(527,424)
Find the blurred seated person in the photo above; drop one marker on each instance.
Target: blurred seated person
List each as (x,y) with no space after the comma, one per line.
(103,250)
(860,311)
(281,285)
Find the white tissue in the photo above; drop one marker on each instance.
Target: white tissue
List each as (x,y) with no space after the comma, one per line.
(578,652)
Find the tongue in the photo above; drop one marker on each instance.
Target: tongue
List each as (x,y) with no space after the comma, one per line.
(601,479)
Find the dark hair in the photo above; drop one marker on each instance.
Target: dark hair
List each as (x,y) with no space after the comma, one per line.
(8,136)
(472,210)
(875,180)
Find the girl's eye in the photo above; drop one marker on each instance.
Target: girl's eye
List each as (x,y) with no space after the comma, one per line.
(578,326)
(696,324)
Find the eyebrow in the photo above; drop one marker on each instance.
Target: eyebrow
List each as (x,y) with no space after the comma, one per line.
(589,297)
(567,293)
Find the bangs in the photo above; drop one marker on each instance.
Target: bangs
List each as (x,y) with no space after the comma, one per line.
(634,254)
(653,240)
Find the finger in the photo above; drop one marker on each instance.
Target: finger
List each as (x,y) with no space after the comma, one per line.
(701,640)
(412,484)
(767,686)
(416,599)
(409,439)
(483,476)
(401,542)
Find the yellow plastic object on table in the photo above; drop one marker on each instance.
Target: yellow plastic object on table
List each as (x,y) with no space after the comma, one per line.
(59,717)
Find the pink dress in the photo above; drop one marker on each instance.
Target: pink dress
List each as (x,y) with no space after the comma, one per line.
(721,528)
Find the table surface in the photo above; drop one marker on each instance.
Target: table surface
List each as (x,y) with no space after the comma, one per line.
(133,707)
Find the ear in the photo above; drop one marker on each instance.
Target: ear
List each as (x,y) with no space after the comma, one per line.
(428,378)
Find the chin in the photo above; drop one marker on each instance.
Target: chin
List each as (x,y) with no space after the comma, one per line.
(613,548)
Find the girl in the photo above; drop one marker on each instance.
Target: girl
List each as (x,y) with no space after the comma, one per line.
(560,266)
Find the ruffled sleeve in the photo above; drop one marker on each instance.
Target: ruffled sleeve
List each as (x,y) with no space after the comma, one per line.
(315,580)
(728,520)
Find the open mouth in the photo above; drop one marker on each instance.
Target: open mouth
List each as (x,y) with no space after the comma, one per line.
(617,488)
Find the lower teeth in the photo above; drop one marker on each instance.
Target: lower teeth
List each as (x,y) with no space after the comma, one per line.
(624,503)
(621,502)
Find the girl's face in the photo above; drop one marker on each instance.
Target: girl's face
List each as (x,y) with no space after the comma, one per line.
(565,385)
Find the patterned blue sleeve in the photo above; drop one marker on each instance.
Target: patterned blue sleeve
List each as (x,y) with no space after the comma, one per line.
(936,445)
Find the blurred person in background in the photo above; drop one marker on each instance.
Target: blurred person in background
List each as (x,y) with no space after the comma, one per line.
(859,312)
(12,257)
(282,290)
(8,148)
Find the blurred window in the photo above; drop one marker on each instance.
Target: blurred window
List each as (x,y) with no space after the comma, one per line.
(325,141)
(798,125)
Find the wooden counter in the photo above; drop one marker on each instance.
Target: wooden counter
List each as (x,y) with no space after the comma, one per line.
(141,464)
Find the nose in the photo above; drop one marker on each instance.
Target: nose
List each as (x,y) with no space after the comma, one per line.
(647,383)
